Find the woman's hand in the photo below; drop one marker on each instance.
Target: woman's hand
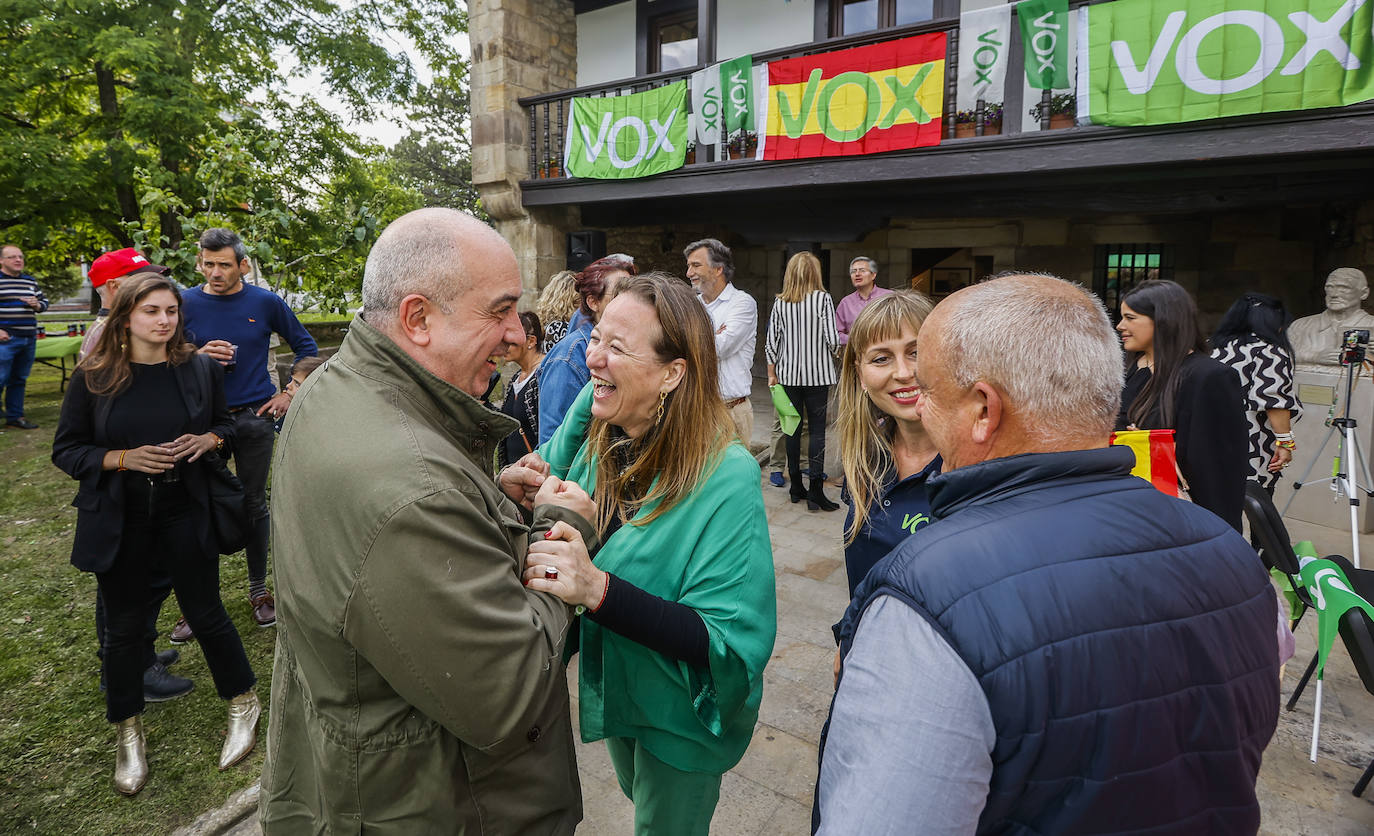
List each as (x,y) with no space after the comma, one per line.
(191,445)
(559,565)
(1282,456)
(522,480)
(150,458)
(568,495)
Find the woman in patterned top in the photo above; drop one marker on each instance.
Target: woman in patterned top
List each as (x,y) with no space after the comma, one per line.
(1253,339)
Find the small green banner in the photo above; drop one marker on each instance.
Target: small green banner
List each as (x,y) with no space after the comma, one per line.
(1153,62)
(622,137)
(1045,42)
(737,80)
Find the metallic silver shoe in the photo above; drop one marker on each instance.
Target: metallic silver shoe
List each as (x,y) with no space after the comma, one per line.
(244,711)
(131,756)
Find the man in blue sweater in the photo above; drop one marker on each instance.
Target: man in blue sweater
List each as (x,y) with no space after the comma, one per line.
(233,322)
(20,300)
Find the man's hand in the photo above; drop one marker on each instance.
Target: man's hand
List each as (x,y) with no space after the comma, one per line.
(522,480)
(189,445)
(221,350)
(720,330)
(31,301)
(276,407)
(568,495)
(4,336)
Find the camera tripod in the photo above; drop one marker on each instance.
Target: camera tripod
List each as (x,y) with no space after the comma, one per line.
(1348,455)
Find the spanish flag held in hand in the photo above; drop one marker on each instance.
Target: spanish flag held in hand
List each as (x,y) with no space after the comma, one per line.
(1156,460)
(866,100)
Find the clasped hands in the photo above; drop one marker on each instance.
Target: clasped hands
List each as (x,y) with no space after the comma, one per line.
(575,579)
(160,458)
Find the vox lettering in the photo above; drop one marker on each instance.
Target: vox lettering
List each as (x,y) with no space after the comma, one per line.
(911,522)
(608,136)
(818,96)
(985,56)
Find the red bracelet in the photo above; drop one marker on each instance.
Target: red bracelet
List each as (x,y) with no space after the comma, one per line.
(604,589)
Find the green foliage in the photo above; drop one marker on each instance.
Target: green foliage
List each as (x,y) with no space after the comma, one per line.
(142,124)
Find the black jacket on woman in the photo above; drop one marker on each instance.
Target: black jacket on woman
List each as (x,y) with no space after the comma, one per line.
(81,442)
(1211,436)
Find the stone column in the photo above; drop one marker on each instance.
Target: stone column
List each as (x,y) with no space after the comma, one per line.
(519,48)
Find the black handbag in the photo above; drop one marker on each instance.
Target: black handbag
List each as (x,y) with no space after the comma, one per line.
(228,512)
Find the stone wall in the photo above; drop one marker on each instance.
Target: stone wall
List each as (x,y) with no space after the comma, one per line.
(519,48)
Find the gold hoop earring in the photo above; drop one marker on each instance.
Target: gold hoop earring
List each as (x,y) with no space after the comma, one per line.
(662,398)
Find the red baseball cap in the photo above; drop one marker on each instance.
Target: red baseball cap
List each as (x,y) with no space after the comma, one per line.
(113,265)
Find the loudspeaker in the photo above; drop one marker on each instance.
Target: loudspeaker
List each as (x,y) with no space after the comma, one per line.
(584,247)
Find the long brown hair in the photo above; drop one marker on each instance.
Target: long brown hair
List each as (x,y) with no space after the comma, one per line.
(107,366)
(866,444)
(675,453)
(802,277)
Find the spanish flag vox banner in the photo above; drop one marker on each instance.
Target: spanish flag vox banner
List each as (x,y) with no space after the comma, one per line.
(865,100)
(1156,460)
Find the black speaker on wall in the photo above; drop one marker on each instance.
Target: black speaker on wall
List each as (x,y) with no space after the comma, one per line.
(584,247)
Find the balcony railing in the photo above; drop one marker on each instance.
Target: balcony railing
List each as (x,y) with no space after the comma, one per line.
(549,113)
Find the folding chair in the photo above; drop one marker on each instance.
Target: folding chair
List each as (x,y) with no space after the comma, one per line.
(1275,549)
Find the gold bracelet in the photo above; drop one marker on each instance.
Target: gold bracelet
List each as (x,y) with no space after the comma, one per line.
(219,442)
(120,467)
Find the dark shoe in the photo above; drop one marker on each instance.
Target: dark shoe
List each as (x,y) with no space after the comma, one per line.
(181,634)
(815,498)
(775,479)
(265,610)
(160,686)
(796,490)
(22,423)
(169,656)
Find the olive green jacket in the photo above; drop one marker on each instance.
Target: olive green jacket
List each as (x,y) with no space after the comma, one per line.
(418,686)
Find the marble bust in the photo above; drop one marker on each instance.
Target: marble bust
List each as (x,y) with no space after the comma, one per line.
(1316,339)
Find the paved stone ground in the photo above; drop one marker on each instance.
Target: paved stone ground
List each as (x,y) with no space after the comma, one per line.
(770,791)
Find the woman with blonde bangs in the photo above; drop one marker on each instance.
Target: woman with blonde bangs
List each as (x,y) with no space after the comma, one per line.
(884,449)
(558,303)
(679,605)
(800,350)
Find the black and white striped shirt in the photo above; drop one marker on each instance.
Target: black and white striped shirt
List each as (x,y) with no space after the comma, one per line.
(802,340)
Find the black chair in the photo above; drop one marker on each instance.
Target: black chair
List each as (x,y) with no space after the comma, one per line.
(1271,538)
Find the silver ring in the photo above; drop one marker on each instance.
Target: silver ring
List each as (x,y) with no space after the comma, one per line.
(551,573)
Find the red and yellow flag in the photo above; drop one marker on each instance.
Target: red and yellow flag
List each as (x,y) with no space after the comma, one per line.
(1156,461)
(865,100)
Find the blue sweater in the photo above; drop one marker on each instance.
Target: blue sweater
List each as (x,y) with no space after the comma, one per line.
(247,319)
(16,318)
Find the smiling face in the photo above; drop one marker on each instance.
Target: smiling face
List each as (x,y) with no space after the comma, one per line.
(466,345)
(154,319)
(1137,330)
(887,370)
(223,271)
(947,410)
(707,280)
(627,373)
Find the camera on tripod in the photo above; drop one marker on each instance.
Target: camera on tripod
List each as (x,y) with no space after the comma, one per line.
(1354,345)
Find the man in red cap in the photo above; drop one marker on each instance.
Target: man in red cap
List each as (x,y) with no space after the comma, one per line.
(105,274)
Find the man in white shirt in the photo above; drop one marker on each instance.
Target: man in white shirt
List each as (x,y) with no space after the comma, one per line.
(735,316)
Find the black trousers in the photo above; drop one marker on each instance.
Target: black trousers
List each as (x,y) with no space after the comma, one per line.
(253,439)
(160,537)
(809,401)
(160,588)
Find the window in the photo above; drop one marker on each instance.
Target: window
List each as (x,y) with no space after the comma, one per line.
(1117,268)
(673,42)
(850,17)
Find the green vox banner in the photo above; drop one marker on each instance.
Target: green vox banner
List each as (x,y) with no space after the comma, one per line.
(1045,42)
(621,137)
(737,80)
(1152,62)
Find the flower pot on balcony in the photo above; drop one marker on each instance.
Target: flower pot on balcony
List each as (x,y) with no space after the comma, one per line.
(992,128)
(963,129)
(1060,120)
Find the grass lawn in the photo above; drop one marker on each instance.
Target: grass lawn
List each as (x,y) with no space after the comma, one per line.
(56,750)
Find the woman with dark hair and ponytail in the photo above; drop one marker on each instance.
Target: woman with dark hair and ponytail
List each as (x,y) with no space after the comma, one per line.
(1172,383)
(1253,339)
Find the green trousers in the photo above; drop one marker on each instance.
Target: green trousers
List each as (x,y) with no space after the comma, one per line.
(668,801)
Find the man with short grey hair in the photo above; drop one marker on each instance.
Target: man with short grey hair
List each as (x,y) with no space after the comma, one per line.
(418,684)
(735,315)
(863,273)
(1064,639)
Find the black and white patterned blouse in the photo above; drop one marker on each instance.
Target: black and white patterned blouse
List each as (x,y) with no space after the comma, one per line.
(1266,376)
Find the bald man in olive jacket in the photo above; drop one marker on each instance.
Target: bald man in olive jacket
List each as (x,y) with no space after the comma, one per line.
(419,686)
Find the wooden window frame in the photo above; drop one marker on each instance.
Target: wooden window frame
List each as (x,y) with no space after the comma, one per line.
(1128,276)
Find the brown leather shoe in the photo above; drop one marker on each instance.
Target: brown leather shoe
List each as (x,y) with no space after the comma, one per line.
(265,610)
(181,633)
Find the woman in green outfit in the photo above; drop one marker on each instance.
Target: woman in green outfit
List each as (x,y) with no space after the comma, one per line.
(679,607)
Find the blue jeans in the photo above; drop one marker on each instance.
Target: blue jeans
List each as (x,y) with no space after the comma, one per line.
(16,361)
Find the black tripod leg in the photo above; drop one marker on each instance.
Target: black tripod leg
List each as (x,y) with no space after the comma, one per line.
(1302,683)
(1364,780)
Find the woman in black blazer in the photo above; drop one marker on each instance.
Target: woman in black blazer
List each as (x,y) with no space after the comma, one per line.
(141,411)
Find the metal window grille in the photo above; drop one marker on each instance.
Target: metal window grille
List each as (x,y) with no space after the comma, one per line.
(1117,268)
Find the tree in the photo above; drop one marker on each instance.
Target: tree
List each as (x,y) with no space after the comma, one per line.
(141,122)
(436,156)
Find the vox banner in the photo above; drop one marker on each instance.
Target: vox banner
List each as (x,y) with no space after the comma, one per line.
(1152,62)
(622,137)
(865,100)
(1045,41)
(984,36)
(723,100)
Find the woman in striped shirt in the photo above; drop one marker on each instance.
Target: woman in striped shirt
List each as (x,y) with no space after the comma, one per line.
(801,348)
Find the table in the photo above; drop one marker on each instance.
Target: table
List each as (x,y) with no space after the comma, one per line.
(50,349)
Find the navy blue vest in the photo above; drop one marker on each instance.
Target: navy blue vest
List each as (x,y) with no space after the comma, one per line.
(1125,641)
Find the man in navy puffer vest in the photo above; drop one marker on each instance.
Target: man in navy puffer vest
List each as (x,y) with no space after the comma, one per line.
(1066,650)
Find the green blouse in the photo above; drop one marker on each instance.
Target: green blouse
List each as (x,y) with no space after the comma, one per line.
(710,552)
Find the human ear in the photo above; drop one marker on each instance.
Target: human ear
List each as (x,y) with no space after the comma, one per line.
(673,374)
(412,318)
(989,404)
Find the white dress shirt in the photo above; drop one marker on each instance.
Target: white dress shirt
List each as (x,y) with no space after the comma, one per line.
(739,313)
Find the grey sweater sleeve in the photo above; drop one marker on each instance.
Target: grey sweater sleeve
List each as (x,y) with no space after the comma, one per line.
(911,734)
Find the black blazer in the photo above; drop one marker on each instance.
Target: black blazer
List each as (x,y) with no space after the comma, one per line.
(81,442)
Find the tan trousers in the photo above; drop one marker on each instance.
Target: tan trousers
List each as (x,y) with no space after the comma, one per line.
(743,416)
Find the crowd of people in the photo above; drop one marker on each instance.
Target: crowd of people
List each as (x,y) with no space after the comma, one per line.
(439,561)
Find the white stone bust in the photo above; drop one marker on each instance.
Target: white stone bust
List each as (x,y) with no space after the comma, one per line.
(1317,339)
